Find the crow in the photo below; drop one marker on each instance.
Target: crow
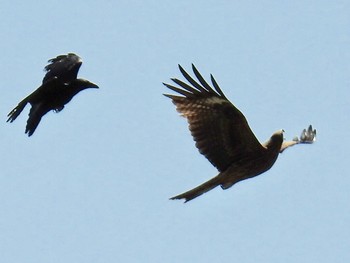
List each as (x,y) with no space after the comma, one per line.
(223,136)
(59,86)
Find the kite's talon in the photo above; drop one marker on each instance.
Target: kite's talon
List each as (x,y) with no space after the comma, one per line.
(308,136)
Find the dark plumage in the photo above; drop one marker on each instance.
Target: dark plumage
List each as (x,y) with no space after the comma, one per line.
(63,67)
(222,134)
(59,86)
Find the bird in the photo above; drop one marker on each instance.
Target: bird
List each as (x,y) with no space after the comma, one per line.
(222,134)
(60,84)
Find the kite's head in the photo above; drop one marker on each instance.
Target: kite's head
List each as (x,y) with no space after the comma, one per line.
(276,140)
(278,134)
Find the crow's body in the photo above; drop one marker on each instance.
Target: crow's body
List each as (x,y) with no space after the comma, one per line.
(59,86)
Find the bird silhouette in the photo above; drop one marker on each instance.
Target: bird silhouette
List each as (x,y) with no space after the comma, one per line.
(60,84)
(222,134)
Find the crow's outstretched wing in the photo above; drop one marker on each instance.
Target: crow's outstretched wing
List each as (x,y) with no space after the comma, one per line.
(63,67)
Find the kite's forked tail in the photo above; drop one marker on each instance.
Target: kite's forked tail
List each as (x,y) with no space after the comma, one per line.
(199,190)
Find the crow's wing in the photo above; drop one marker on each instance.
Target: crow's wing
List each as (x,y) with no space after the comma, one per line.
(63,67)
(35,115)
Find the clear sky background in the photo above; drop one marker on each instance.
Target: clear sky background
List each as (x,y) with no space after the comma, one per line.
(92,184)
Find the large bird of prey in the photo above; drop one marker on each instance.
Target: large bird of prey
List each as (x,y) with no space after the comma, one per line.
(59,86)
(223,136)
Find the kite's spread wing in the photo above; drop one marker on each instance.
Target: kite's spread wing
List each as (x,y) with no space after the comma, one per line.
(220,130)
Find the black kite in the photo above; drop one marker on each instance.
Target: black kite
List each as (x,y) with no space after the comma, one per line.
(223,136)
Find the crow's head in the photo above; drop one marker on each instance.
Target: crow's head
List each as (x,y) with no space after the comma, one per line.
(83,84)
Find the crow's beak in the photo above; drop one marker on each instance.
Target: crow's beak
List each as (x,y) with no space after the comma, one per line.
(93,86)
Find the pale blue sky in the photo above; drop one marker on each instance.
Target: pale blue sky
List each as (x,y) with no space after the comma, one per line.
(92,184)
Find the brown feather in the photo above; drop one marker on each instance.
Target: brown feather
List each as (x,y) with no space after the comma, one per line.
(222,134)
(221,131)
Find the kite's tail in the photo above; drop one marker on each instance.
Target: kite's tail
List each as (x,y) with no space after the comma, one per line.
(199,190)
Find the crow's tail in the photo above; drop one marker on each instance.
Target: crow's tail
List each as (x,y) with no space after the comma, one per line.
(16,111)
